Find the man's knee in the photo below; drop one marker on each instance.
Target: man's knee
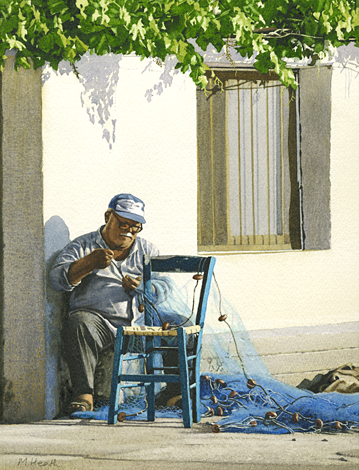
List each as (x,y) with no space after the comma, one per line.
(79,318)
(81,321)
(87,328)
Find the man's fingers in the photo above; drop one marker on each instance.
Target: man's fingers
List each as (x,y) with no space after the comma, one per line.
(101,258)
(134,281)
(129,282)
(109,254)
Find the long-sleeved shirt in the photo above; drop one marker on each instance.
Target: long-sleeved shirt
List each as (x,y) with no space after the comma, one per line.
(101,291)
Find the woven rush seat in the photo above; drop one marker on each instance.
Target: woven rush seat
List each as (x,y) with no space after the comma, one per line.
(157,330)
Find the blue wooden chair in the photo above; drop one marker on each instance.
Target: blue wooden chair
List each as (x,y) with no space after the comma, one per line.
(203,267)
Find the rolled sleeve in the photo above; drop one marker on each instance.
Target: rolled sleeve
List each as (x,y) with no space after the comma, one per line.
(59,278)
(59,273)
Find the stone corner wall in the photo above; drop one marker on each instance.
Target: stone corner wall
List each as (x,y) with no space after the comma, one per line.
(22,312)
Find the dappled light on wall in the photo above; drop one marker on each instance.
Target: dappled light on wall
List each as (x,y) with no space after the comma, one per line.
(99,77)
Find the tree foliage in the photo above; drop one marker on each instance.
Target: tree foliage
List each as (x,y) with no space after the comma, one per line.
(275,30)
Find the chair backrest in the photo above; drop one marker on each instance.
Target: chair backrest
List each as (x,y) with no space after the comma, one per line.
(179,264)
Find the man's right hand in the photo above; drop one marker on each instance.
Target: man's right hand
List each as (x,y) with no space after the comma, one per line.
(100,258)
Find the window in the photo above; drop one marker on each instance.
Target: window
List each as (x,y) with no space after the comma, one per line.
(250,191)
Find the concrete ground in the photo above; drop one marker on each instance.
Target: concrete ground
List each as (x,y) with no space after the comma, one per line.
(165,444)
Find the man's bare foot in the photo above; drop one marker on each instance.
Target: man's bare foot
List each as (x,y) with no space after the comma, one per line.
(86,396)
(83,402)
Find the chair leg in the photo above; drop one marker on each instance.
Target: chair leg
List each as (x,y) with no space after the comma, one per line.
(115,384)
(150,389)
(196,403)
(184,378)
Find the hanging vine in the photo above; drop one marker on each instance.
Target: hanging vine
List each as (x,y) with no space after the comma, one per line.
(49,31)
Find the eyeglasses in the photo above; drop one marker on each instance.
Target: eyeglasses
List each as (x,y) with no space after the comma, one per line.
(132,228)
(127,227)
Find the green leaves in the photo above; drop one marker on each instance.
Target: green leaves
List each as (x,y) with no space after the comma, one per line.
(81,5)
(47,43)
(276,30)
(57,6)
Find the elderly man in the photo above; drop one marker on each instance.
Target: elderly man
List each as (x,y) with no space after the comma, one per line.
(101,270)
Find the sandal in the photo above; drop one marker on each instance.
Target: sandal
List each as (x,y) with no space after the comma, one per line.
(175,401)
(79,405)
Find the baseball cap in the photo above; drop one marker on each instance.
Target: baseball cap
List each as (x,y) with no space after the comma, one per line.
(129,207)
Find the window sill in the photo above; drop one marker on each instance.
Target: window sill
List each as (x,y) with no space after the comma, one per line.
(237,249)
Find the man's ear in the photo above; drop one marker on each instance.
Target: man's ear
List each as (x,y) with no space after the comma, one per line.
(107,216)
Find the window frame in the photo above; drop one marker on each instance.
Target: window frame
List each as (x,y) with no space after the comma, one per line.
(207,181)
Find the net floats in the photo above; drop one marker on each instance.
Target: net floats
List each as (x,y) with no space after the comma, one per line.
(121,416)
(222,318)
(214,399)
(270,415)
(253,423)
(338,425)
(220,411)
(220,382)
(165,326)
(216,428)
(210,411)
(318,423)
(141,308)
(251,383)
(197,277)
(233,394)
(295,418)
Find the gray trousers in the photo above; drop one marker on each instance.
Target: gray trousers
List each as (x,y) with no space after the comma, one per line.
(85,336)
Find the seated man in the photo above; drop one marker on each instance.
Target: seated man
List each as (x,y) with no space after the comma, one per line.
(101,270)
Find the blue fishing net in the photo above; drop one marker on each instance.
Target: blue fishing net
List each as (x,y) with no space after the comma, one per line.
(238,393)
(266,405)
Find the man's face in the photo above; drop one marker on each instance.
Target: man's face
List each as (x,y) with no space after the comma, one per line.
(119,233)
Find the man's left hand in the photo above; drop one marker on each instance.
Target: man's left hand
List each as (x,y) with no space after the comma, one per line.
(130,283)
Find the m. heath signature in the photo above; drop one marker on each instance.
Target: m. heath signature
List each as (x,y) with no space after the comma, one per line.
(35,462)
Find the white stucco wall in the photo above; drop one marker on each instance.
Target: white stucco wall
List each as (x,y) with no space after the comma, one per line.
(154,157)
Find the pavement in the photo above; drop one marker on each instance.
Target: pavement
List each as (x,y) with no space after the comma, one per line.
(164,444)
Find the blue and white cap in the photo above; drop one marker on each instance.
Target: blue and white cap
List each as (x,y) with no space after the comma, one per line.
(129,207)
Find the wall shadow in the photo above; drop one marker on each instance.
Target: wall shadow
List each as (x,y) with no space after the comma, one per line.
(58,388)
(58,383)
